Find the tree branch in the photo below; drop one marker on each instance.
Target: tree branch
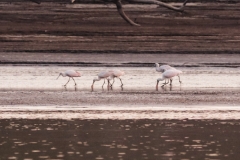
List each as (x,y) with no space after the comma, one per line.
(122,13)
(35,1)
(180,9)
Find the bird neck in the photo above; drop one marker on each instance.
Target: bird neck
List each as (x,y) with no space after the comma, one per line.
(63,74)
(160,79)
(96,79)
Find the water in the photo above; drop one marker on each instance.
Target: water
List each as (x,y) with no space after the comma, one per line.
(119,139)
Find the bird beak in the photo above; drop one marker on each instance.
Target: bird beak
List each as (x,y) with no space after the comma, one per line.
(59,76)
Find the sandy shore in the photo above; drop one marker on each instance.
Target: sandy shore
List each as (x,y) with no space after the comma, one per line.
(33,92)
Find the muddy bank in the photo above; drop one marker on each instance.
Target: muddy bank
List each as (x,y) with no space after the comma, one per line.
(119,60)
(34,98)
(95,28)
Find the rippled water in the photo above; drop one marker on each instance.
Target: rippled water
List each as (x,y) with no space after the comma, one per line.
(119,139)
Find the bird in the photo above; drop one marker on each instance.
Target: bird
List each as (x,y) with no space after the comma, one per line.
(168,74)
(116,74)
(102,75)
(164,68)
(70,74)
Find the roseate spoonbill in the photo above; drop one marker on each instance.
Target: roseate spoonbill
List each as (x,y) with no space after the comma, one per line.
(116,74)
(163,68)
(168,74)
(70,74)
(102,75)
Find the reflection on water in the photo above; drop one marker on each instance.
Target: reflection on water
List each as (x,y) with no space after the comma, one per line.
(119,139)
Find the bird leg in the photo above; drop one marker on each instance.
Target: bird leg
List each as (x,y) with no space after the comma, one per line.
(121,81)
(112,82)
(109,83)
(166,82)
(74,81)
(103,83)
(179,79)
(121,88)
(92,85)
(157,85)
(67,81)
(170,81)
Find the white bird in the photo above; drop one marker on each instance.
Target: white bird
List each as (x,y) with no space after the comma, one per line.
(102,75)
(164,68)
(168,74)
(70,74)
(116,74)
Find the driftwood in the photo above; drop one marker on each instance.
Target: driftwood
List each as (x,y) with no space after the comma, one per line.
(126,18)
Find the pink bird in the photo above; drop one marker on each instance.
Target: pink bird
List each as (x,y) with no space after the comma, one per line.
(164,68)
(168,74)
(70,74)
(102,75)
(116,74)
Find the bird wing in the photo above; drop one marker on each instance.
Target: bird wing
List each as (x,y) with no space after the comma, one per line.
(72,73)
(165,67)
(118,73)
(104,74)
(170,73)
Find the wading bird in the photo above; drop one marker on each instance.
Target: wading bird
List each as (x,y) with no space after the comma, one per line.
(164,68)
(168,74)
(70,74)
(116,74)
(102,75)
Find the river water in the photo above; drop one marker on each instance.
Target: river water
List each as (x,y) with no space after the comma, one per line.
(119,139)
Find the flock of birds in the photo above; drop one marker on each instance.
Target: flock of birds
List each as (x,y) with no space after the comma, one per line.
(167,71)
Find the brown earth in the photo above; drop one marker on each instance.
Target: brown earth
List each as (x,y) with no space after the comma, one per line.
(96,28)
